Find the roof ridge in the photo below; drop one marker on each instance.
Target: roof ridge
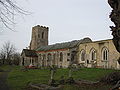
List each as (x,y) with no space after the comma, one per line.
(64,45)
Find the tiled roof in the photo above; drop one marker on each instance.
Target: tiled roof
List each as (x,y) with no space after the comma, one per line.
(29,53)
(64,45)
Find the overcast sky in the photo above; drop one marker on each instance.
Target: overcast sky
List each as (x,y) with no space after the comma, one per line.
(67,20)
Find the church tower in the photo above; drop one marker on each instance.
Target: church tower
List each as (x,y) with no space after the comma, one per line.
(39,37)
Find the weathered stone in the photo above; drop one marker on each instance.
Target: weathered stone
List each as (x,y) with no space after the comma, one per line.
(111,78)
(39,37)
(84,52)
(86,82)
(70,80)
(32,86)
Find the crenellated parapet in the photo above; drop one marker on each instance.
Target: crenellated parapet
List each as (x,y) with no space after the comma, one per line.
(41,27)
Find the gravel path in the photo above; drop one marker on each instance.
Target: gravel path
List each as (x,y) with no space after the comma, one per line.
(3,82)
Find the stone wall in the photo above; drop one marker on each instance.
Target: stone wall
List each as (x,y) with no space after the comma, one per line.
(26,61)
(98,49)
(55,57)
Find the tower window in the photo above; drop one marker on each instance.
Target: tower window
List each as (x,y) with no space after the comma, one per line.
(61,56)
(42,35)
(38,35)
(68,54)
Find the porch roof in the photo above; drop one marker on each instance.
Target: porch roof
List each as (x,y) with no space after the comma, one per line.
(29,53)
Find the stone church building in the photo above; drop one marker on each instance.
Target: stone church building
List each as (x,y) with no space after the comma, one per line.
(85,52)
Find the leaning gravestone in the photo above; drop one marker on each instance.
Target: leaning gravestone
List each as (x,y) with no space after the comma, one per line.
(115,18)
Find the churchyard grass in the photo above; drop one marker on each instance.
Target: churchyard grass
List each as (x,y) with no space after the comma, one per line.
(18,79)
(5,67)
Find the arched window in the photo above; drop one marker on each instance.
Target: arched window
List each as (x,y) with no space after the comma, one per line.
(38,35)
(92,54)
(39,57)
(49,57)
(61,56)
(23,62)
(44,57)
(35,38)
(82,55)
(105,54)
(54,55)
(43,60)
(42,35)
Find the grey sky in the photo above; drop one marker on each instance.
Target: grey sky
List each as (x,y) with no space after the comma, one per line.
(67,19)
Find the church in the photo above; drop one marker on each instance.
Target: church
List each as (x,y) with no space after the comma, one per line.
(83,52)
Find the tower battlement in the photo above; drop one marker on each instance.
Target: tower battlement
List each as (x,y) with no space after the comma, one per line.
(40,27)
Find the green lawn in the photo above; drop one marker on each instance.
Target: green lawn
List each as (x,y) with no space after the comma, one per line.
(5,67)
(18,79)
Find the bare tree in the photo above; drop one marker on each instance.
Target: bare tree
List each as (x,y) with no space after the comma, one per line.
(8,9)
(7,50)
(16,58)
(2,58)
